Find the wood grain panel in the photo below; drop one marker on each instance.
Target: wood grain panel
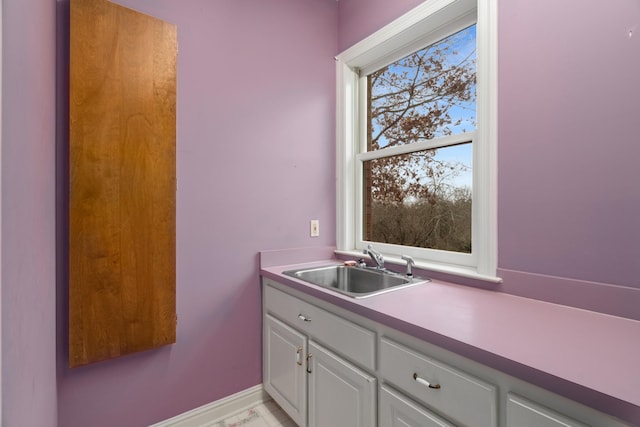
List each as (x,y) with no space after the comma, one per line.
(122,109)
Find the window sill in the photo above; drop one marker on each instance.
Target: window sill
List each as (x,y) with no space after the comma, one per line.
(467,273)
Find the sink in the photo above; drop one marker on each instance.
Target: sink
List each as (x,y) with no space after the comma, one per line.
(356,282)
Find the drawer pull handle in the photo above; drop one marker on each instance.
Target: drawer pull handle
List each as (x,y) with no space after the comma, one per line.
(309,356)
(304,318)
(299,356)
(425,382)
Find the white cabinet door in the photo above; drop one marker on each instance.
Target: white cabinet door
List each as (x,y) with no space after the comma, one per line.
(524,413)
(284,368)
(339,393)
(398,411)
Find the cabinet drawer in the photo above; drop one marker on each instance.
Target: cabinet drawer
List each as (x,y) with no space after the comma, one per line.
(351,341)
(396,410)
(462,398)
(524,413)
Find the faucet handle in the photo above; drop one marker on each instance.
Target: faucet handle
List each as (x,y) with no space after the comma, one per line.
(410,262)
(375,256)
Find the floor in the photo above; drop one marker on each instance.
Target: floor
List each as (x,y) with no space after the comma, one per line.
(266,414)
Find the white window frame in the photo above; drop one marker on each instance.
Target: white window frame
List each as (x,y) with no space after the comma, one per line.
(431,21)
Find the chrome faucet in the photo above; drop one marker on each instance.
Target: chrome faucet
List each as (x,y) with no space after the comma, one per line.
(375,256)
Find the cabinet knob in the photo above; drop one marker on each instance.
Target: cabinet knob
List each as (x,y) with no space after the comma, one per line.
(425,382)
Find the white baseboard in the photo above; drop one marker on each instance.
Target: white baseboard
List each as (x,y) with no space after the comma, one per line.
(219,409)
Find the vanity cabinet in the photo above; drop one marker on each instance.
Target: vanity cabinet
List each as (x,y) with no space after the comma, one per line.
(327,366)
(309,364)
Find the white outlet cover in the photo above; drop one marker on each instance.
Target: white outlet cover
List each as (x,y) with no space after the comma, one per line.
(315,228)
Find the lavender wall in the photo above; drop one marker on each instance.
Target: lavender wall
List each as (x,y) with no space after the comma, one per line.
(567,146)
(568,151)
(28,221)
(358,19)
(255,154)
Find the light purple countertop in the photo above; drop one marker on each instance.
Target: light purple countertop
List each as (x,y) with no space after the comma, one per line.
(590,357)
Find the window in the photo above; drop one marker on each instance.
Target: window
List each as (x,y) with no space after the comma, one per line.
(416,139)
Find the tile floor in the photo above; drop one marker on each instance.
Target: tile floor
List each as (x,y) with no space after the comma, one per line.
(266,414)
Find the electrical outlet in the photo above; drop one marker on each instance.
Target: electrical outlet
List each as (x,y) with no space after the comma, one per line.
(315,227)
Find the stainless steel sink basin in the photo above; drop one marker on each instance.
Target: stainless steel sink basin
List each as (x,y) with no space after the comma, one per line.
(356,282)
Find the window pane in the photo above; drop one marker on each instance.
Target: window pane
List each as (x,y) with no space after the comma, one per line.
(420,199)
(425,95)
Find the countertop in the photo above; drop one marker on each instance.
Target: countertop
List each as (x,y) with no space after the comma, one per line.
(590,357)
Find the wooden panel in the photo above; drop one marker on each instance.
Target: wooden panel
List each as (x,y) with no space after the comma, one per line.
(122,108)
